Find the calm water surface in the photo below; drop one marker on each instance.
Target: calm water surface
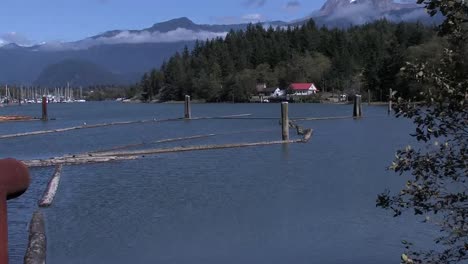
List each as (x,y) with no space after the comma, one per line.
(302,203)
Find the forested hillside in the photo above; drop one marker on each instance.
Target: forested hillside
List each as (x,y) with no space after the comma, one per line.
(350,60)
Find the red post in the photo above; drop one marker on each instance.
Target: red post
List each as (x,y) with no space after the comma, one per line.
(44,109)
(3,229)
(14,180)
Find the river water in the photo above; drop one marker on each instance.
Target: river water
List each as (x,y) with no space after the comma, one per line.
(300,203)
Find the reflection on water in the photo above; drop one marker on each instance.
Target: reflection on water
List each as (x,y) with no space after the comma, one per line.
(301,203)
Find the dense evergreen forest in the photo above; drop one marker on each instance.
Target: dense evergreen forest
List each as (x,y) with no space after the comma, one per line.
(351,60)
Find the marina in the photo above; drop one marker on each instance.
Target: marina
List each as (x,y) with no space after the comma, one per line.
(33,95)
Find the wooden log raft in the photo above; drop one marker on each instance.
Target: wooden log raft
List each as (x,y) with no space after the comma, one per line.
(132,155)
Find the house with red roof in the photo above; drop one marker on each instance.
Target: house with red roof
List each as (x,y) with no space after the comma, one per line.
(303,88)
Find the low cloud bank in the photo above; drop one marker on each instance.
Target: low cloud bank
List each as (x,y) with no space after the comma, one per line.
(14,37)
(127,37)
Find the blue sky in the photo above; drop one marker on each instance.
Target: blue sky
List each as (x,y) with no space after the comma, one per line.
(36,21)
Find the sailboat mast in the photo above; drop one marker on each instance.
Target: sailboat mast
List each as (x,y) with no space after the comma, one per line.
(7,93)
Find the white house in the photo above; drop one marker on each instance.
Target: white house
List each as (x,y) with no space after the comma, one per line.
(278,93)
(303,88)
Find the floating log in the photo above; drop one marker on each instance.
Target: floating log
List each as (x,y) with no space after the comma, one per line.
(15,118)
(42,132)
(321,118)
(70,160)
(131,155)
(51,189)
(276,118)
(61,130)
(154,142)
(37,246)
(193,148)
(241,116)
(178,139)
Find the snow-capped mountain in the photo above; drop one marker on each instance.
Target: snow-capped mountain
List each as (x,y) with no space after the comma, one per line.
(380,6)
(344,13)
(129,53)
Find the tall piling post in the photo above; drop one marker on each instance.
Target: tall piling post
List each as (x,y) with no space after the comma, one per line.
(20,96)
(285,120)
(44,109)
(369,97)
(3,229)
(390,103)
(188,108)
(357,111)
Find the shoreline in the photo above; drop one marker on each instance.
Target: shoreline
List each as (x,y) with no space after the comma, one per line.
(228,102)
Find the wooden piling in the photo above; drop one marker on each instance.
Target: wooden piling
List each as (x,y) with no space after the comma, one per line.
(285,120)
(390,104)
(44,109)
(369,97)
(20,96)
(37,246)
(188,109)
(357,112)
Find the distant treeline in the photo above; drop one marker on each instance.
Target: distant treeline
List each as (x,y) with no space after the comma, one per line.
(349,60)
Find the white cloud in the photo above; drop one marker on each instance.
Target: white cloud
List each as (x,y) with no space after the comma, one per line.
(357,14)
(127,37)
(14,37)
(292,6)
(180,34)
(255,3)
(247,18)
(226,20)
(254,18)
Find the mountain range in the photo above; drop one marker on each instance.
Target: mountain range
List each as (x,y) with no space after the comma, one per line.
(121,56)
